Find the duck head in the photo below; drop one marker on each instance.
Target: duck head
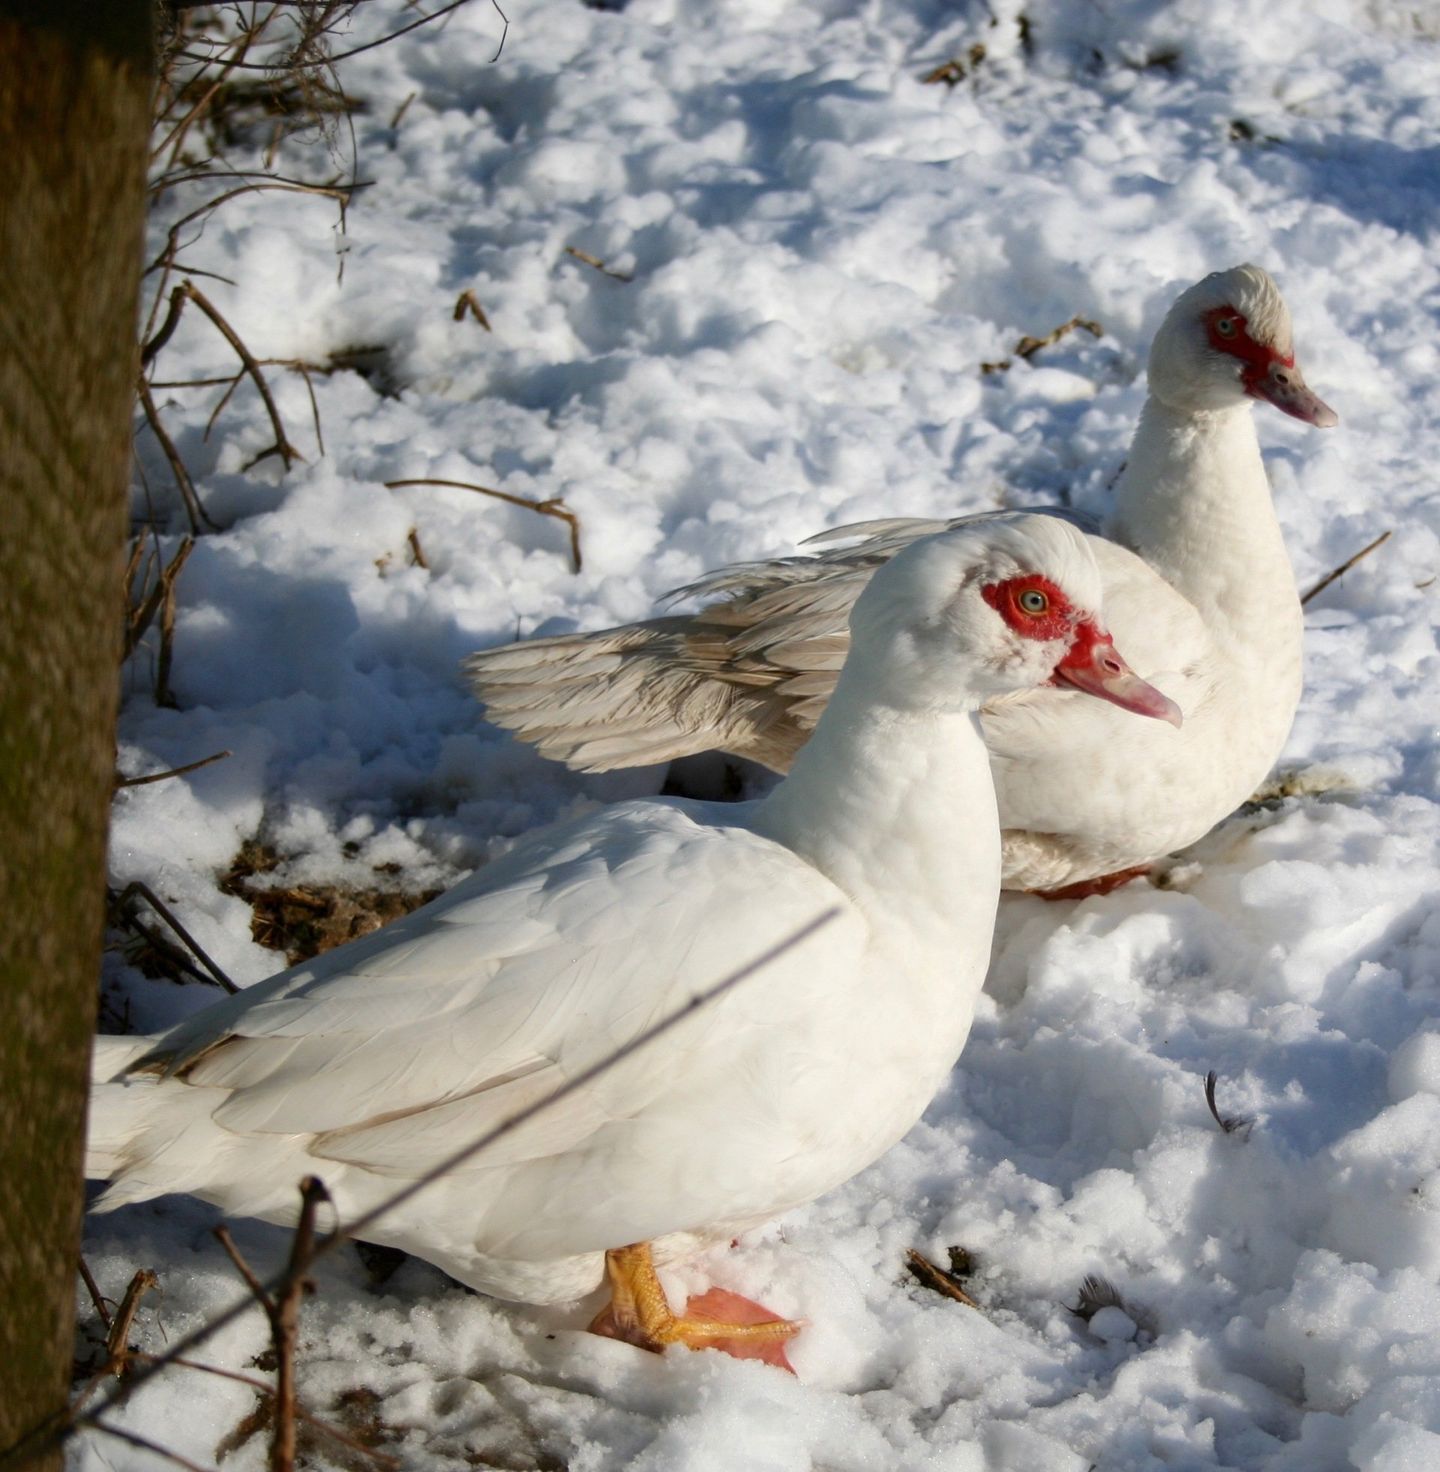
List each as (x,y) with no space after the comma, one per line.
(990,608)
(1228,340)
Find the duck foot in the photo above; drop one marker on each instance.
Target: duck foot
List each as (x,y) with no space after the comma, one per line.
(640,1314)
(1084,888)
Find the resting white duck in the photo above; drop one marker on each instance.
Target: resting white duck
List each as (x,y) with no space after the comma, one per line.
(379,1059)
(1198,590)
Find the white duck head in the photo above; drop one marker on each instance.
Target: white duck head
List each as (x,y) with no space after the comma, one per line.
(1227,340)
(1018,596)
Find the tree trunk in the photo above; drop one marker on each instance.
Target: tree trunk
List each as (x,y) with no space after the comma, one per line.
(74,107)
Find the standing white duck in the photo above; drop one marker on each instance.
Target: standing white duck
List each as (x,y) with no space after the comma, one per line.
(1198,591)
(373,1062)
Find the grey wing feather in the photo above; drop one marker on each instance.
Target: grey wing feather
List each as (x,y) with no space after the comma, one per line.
(748,673)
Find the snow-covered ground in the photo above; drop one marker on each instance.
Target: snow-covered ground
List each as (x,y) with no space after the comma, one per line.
(822,248)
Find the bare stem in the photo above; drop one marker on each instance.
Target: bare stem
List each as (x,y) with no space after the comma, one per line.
(186,486)
(135,887)
(1344,567)
(554,506)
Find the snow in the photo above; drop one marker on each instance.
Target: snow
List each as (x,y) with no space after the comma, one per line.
(824,249)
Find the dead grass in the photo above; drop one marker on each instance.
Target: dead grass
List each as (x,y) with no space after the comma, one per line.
(304,920)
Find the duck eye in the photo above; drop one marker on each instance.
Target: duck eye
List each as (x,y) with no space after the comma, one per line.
(1225,326)
(1033,601)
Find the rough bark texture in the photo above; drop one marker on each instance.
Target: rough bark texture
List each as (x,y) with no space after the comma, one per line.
(73,123)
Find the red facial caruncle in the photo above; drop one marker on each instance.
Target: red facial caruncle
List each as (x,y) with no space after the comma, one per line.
(1264,372)
(1032,606)
(1229,333)
(1035,608)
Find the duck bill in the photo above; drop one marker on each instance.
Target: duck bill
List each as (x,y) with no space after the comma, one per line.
(1097,669)
(1284,386)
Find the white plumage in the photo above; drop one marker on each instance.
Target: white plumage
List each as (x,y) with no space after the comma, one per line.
(1198,591)
(373,1062)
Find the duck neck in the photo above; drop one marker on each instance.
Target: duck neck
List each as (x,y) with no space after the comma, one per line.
(897,808)
(1194,502)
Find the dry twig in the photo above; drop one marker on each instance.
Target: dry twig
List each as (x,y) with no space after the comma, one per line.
(469,303)
(954,71)
(598,264)
(142,614)
(282,1308)
(936,1278)
(93,1289)
(168,259)
(117,1338)
(133,1438)
(552,507)
(187,291)
(371,45)
(384,1459)
(1344,567)
(122,913)
(184,484)
(122,781)
(1027,347)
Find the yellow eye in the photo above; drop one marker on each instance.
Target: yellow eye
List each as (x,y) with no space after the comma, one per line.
(1033,601)
(1225,326)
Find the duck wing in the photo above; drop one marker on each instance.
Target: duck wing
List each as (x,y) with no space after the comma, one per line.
(748,673)
(500,991)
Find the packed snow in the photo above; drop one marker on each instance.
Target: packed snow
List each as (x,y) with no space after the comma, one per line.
(806,250)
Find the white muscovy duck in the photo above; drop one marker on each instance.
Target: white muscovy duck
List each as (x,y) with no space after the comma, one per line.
(372,1063)
(1198,591)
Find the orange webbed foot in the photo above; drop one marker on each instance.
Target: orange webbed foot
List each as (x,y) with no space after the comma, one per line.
(639,1314)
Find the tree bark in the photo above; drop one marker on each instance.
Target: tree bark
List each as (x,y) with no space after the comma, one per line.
(74,108)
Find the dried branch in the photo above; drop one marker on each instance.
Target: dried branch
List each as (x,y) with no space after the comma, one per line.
(122,781)
(93,1289)
(145,1444)
(186,486)
(50,1436)
(1027,347)
(936,1278)
(954,71)
(241,46)
(282,1308)
(384,1459)
(270,66)
(188,291)
(598,264)
(469,303)
(231,384)
(1233,1124)
(1345,567)
(303,369)
(122,914)
(117,1338)
(552,507)
(166,261)
(285,1323)
(141,615)
(416,552)
(117,1341)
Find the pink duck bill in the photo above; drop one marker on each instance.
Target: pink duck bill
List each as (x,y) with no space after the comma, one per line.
(1095,666)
